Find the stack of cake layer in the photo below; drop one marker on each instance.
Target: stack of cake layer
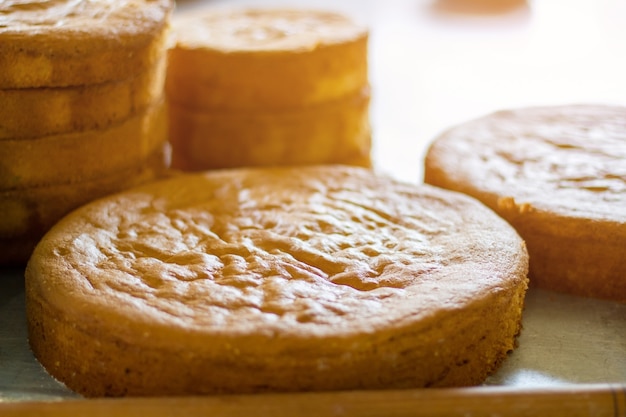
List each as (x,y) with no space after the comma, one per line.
(83,112)
(268,87)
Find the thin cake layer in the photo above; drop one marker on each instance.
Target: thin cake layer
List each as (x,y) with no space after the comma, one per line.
(243,59)
(28,213)
(60,43)
(34,112)
(83,155)
(558,175)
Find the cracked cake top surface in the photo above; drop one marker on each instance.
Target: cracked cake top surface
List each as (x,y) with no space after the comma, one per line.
(295,252)
(569,160)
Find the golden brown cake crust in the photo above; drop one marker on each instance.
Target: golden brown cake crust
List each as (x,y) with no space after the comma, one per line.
(275,279)
(336,132)
(558,175)
(60,43)
(34,112)
(299,57)
(86,155)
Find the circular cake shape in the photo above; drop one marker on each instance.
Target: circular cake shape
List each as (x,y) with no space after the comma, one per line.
(238,59)
(57,43)
(558,175)
(275,279)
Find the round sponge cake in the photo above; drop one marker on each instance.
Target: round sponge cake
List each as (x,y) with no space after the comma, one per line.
(86,155)
(275,279)
(36,112)
(558,175)
(299,57)
(72,43)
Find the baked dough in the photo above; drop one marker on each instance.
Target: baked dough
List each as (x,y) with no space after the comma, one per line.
(311,278)
(243,59)
(60,43)
(27,213)
(84,155)
(558,175)
(252,87)
(37,112)
(335,132)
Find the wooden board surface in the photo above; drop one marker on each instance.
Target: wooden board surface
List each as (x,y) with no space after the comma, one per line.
(575,401)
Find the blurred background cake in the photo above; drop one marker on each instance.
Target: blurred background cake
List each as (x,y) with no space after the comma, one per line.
(250,87)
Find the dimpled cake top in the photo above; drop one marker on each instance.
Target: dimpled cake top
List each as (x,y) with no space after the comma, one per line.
(259,30)
(570,160)
(303,252)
